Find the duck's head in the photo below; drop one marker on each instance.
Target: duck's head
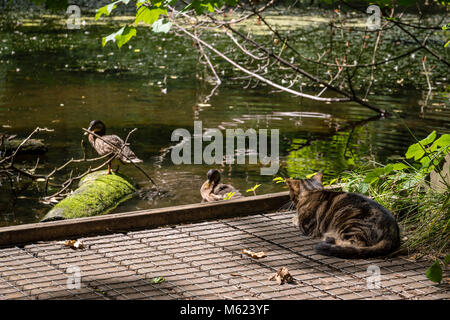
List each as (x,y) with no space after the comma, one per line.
(213,176)
(97,126)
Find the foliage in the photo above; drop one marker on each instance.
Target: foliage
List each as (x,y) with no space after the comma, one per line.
(157,280)
(406,190)
(331,155)
(156,15)
(434,272)
(150,12)
(229,195)
(252,189)
(201,5)
(279,180)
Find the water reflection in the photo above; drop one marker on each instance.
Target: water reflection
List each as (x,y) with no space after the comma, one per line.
(64,89)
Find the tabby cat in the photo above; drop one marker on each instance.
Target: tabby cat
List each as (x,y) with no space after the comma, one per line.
(350,225)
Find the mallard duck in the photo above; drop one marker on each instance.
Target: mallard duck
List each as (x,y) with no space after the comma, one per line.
(102,147)
(212,190)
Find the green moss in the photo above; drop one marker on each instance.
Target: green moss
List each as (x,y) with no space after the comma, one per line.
(98,193)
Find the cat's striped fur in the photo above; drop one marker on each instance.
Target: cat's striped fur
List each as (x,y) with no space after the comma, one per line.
(350,225)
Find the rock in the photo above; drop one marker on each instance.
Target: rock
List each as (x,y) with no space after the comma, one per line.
(436,181)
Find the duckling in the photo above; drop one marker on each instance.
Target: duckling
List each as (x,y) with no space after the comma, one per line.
(102,148)
(212,190)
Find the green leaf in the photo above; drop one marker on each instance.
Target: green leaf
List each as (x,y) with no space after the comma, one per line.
(431,137)
(363,187)
(388,168)
(443,141)
(434,272)
(447,260)
(229,195)
(399,166)
(106,10)
(210,7)
(111,37)
(333,181)
(160,26)
(415,151)
(127,34)
(200,5)
(157,280)
(122,36)
(373,175)
(279,180)
(309,176)
(253,188)
(149,15)
(351,161)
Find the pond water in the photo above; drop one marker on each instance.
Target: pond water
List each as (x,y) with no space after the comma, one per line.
(62,80)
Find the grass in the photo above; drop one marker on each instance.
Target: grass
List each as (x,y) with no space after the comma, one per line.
(422,212)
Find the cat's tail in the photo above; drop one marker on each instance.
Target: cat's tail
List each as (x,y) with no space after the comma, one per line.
(327,248)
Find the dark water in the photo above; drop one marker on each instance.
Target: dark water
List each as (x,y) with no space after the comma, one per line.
(63,80)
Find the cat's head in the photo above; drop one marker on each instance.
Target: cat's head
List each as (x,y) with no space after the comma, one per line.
(297,187)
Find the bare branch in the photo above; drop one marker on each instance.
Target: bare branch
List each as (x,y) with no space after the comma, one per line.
(257,76)
(348,96)
(230,35)
(218,81)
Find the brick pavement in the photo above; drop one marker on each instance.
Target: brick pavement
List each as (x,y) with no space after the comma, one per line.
(205,261)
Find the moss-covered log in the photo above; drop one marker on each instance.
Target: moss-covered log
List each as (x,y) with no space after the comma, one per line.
(32,146)
(98,193)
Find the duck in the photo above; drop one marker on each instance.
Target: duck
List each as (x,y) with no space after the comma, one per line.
(212,190)
(125,157)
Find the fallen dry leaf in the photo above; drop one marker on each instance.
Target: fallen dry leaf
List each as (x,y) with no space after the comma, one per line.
(74,244)
(282,276)
(256,255)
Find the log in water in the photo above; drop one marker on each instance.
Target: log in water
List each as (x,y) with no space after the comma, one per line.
(98,193)
(32,146)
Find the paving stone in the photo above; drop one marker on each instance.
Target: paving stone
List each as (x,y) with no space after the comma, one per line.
(204,261)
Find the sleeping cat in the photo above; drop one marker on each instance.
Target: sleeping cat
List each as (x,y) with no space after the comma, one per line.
(351,225)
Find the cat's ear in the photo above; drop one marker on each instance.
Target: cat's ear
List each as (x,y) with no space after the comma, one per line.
(290,183)
(318,177)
